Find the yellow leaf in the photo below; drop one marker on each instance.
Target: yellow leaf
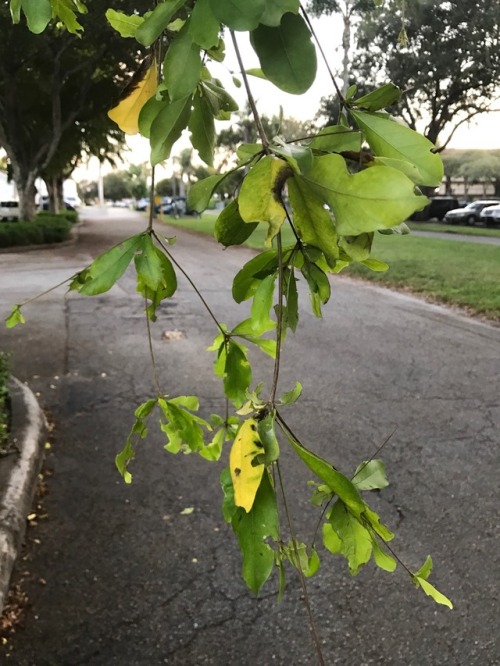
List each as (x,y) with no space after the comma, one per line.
(142,86)
(246,476)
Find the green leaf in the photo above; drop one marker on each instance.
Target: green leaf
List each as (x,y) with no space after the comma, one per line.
(372,199)
(230,229)
(229,508)
(319,286)
(239,15)
(15,11)
(268,438)
(167,128)
(148,264)
(357,247)
(291,313)
(408,169)
(15,317)
(426,568)
(204,26)
(182,65)
(104,271)
(289,397)
(220,102)
(380,98)
(237,373)
(331,539)
(257,72)
(247,151)
(388,138)
(123,458)
(166,288)
(262,304)
(202,128)
(286,54)
(245,281)
(126,25)
(370,476)
(38,14)
(157,21)
(336,139)
(149,112)
(375,265)
(300,158)
(201,192)
(431,591)
(400,229)
(356,539)
(276,8)
(335,480)
(252,529)
(64,11)
(183,429)
(212,451)
(382,559)
(258,198)
(297,555)
(312,221)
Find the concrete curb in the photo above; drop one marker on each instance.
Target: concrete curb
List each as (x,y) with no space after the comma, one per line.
(18,476)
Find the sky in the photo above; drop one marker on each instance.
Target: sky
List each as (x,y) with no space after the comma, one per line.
(482,133)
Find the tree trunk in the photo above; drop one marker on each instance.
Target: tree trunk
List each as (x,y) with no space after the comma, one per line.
(346,46)
(26,190)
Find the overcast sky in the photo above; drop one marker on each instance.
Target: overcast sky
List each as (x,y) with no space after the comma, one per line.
(482,133)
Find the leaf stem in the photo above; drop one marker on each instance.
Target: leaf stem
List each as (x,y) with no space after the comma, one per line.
(325,60)
(151,350)
(189,279)
(250,97)
(307,603)
(279,329)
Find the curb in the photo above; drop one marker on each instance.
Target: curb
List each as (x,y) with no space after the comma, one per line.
(18,476)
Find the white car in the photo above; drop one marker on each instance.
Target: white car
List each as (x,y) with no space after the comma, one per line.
(490,216)
(9,210)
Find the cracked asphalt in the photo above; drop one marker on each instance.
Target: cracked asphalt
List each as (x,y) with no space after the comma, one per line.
(130,580)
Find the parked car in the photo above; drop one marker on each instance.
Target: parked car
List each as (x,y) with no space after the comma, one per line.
(470,214)
(437,208)
(45,204)
(9,210)
(142,204)
(174,206)
(490,216)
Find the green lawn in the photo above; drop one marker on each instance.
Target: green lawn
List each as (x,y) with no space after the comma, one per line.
(454,229)
(452,272)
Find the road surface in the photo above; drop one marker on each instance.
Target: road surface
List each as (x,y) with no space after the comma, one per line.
(120,575)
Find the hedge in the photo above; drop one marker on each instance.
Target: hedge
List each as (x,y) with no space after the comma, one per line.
(71,215)
(45,229)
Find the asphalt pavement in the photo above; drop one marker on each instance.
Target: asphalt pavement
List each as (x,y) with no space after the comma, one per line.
(124,575)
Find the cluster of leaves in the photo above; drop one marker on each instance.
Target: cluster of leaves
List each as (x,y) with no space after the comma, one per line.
(335,189)
(39,13)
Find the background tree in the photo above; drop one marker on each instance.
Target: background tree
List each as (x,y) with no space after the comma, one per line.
(117,186)
(449,68)
(350,11)
(482,166)
(164,187)
(52,86)
(138,175)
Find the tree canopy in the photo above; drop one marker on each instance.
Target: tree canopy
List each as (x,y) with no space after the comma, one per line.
(445,56)
(54,91)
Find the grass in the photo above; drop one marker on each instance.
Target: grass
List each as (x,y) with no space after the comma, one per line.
(454,229)
(456,273)
(4,401)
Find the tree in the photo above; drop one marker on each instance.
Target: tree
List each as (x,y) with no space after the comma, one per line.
(349,11)
(116,186)
(52,88)
(332,214)
(137,176)
(446,60)
(482,166)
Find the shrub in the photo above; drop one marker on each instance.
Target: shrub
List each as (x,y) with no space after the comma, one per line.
(71,215)
(45,229)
